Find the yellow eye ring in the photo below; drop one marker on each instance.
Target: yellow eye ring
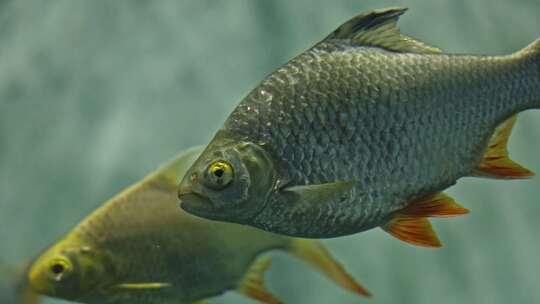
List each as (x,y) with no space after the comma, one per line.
(220,174)
(59,268)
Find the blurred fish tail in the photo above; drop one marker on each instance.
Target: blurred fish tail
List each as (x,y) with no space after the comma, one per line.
(315,254)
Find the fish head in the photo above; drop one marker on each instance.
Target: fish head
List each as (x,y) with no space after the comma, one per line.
(68,272)
(229,182)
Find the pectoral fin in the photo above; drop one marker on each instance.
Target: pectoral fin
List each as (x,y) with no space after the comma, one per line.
(142,286)
(496,162)
(252,285)
(318,194)
(314,253)
(411,225)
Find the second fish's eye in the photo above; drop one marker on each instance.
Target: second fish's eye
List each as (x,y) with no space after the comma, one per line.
(220,174)
(57,268)
(60,268)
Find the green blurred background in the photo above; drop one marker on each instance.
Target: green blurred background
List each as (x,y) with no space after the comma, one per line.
(95,94)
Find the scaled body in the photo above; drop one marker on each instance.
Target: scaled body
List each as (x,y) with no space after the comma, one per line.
(360,127)
(138,249)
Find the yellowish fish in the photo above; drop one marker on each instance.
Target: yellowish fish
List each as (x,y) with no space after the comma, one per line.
(137,248)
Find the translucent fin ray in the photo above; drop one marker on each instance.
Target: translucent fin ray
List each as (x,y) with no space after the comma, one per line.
(314,253)
(252,285)
(142,286)
(310,195)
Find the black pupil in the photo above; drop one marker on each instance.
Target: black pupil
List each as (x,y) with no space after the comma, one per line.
(219,172)
(57,268)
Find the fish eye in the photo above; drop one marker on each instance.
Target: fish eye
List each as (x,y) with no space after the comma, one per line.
(219,174)
(59,268)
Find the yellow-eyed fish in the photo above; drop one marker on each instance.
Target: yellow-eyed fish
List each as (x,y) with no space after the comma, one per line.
(137,248)
(363,130)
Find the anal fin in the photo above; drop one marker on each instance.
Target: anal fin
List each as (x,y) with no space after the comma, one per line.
(496,162)
(411,225)
(413,230)
(252,285)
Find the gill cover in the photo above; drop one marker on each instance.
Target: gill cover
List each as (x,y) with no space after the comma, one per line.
(229,181)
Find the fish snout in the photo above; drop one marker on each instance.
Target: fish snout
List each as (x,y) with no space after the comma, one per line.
(195,203)
(183,191)
(186,185)
(39,281)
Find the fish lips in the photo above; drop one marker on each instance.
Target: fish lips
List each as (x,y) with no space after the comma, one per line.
(203,207)
(198,205)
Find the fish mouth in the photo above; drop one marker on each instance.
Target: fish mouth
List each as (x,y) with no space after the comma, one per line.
(197,205)
(201,206)
(37,281)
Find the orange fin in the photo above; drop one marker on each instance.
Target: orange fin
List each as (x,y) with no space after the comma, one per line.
(436,205)
(314,253)
(496,162)
(252,285)
(413,230)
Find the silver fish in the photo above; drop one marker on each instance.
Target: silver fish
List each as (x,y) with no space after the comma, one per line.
(364,130)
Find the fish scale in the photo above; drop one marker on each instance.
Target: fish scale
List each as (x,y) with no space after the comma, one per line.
(393,117)
(137,249)
(353,64)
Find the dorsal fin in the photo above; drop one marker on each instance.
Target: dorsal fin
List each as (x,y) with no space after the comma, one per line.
(496,162)
(378,28)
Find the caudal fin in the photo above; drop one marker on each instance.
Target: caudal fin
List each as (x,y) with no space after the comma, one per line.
(315,254)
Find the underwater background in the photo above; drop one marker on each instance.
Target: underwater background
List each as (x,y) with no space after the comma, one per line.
(96,94)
